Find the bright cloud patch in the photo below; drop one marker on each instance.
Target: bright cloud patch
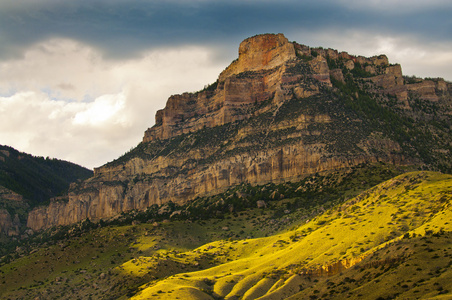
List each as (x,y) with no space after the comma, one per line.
(62,99)
(106,108)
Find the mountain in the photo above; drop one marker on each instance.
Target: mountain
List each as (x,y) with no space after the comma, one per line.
(391,241)
(37,178)
(279,113)
(28,181)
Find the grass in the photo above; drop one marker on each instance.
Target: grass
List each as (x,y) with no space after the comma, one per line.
(317,254)
(391,239)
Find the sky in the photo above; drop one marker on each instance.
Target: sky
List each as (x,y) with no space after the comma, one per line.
(82,80)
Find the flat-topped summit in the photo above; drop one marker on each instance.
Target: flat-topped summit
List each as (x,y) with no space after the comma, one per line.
(225,100)
(265,66)
(282,111)
(261,52)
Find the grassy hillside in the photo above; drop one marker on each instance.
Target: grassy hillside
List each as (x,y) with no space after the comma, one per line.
(392,240)
(412,205)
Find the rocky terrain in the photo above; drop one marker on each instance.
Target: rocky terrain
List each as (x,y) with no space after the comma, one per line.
(10,224)
(281,112)
(28,181)
(325,237)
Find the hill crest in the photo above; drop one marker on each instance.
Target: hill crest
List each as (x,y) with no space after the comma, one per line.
(27,181)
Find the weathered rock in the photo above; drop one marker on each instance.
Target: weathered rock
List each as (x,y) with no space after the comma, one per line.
(391,78)
(349,64)
(261,52)
(426,89)
(240,131)
(337,74)
(262,57)
(10,225)
(275,195)
(319,66)
(175,213)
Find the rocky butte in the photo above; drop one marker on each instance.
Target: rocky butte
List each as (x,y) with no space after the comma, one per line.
(280,112)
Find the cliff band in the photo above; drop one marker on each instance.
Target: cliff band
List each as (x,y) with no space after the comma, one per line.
(280,112)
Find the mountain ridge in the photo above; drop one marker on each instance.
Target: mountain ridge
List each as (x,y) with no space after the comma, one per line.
(278,113)
(27,181)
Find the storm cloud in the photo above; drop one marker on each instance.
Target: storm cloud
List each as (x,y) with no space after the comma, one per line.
(88,76)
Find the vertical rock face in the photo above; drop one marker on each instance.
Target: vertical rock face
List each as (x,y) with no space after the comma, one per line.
(213,108)
(261,52)
(8,225)
(280,112)
(10,222)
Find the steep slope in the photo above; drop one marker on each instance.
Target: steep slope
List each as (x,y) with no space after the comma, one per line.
(382,228)
(37,178)
(281,112)
(27,181)
(13,208)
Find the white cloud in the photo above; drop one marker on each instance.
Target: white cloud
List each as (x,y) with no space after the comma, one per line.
(422,60)
(64,100)
(105,109)
(63,68)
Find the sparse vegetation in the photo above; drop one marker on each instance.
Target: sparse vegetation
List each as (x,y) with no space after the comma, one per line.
(197,258)
(354,215)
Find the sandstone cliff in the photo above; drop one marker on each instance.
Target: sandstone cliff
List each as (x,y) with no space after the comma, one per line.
(280,112)
(261,66)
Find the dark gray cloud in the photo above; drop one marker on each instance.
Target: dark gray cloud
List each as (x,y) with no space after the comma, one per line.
(123,28)
(85,77)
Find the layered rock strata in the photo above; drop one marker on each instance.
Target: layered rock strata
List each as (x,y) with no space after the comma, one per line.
(261,65)
(275,114)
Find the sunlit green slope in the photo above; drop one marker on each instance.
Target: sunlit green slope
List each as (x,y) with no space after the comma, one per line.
(393,241)
(394,226)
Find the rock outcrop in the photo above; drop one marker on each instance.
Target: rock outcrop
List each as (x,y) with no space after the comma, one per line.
(261,52)
(8,225)
(280,112)
(9,222)
(251,79)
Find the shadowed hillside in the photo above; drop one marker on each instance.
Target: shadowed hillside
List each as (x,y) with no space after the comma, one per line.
(393,240)
(26,182)
(36,178)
